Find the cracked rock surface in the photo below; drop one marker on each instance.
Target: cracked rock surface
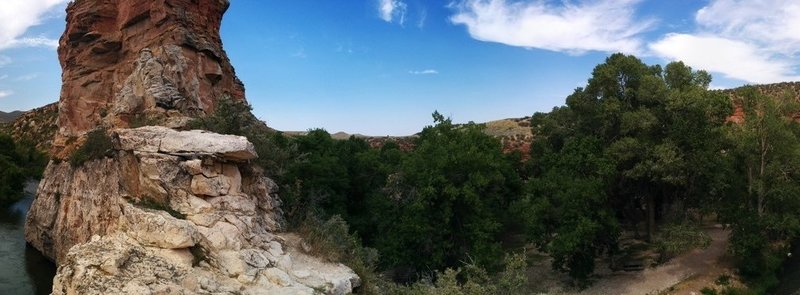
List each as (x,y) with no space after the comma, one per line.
(139,222)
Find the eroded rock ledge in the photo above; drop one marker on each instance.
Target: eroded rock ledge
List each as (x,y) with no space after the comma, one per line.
(172,213)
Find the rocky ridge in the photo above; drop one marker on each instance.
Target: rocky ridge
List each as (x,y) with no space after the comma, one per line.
(172,212)
(785,90)
(9,117)
(37,126)
(161,211)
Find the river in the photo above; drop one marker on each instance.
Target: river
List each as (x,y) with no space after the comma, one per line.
(23,270)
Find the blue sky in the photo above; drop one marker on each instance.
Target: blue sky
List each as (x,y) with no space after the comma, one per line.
(381,67)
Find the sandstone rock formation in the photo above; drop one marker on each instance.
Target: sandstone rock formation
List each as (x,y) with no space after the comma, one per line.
(164,211)
(173,213)
(124,60)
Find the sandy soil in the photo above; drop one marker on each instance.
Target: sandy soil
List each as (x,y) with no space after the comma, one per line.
(686,274)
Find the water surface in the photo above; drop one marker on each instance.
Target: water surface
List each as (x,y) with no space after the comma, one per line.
(23,270)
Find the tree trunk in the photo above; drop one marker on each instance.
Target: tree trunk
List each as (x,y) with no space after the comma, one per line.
(651,217)
(760,189)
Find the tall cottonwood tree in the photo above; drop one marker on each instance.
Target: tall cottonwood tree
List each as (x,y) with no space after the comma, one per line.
(645,115)
(763,204)
(636,139)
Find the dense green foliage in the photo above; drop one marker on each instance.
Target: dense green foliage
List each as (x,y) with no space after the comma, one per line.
(638,145)
(566,212)
(763,203)
(642,151)
(97,145)
(429,208)
(18,162)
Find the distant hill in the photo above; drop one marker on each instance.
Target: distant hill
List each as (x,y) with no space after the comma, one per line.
(9,117)
(784,90)
(514,133)
(38,125)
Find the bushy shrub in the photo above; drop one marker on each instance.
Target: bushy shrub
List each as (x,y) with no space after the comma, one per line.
(234,117)
(333,241)
(471,280)
(677,239)
(97,145)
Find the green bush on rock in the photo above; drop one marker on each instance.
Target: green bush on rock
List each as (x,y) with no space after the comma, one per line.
(97,145)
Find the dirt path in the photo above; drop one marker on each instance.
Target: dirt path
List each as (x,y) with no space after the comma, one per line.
(699,265)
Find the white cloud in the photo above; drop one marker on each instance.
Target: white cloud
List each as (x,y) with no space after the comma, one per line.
(422,18)
(16,16)
(573,27)
(773,24)
(424,72)
(733,58)
(3,77)
(35,42)
(751,40)
(27,77)
(392,11)
(6,93)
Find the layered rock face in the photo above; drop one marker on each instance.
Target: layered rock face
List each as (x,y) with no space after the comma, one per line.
(164,211)
(172,212)
(128,59)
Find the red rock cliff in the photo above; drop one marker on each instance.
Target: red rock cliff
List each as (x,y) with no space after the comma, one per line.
(126,59)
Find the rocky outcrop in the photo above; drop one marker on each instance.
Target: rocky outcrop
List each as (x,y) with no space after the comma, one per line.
(131,61)
(37,126)
(164,211)
(172,212)
(779,91)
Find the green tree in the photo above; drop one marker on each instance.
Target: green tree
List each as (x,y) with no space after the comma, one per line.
(11,178)
(447,201)
(649,139)
(12,175)
(656,124)
(762,205)
(566,211)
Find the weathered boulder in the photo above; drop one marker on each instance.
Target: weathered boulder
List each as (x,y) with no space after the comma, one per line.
(168,141)
(157,228)
(73,204)
(138,223)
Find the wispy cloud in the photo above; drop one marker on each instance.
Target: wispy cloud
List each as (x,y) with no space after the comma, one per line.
(16,16)
(750,40)
(27,77)
(5,60)
(35,42)
(570,26)
(392,11)
(6,93)
(3,77)
(423,16)
(424,72)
